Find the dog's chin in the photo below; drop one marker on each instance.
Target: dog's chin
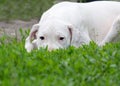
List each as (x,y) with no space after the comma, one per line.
(50,48)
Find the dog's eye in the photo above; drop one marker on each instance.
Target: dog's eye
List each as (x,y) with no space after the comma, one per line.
(61,38)
(42,37)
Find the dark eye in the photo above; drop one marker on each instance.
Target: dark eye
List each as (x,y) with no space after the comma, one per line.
(61,38)
(42,37)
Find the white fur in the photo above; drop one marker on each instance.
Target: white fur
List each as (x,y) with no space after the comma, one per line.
(77,23)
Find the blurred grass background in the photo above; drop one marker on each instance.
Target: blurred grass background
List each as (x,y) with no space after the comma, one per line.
(23,9)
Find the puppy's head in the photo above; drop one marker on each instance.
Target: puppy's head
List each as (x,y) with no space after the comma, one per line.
(50,34)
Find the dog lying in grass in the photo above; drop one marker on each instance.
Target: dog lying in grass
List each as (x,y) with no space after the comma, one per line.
(73,24)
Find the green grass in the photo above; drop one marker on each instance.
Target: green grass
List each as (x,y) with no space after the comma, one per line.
(23,9)
(89,65)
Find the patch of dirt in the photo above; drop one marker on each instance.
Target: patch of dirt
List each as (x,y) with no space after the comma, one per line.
(11,28)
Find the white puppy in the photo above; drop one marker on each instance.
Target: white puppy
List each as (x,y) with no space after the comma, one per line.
(75,24)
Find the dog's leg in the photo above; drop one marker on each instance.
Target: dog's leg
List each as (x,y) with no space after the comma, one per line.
(114,32)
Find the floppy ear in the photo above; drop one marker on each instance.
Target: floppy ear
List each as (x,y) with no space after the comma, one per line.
(78,37)
(29,44)
(74,36)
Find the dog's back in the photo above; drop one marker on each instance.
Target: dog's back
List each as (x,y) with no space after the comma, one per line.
(98,16)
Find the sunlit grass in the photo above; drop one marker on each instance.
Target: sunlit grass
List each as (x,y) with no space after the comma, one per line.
(88,65)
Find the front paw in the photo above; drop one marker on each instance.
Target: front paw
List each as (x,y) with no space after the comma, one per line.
(29,47)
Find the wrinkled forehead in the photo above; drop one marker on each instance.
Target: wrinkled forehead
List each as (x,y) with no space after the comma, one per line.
(57,28)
